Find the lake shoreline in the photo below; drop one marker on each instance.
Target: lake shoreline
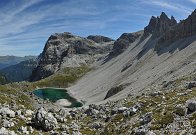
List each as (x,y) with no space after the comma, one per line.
(57,96)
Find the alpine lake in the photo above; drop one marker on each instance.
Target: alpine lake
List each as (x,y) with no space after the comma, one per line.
(55,94)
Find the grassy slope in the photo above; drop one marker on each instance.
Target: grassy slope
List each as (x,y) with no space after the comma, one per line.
(15,91)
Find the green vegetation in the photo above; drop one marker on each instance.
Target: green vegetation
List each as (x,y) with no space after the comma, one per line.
(63,78)
(3,79)
(163,120)
(179,111)
(118,118)
(19,124)
(15,91)
(87,131)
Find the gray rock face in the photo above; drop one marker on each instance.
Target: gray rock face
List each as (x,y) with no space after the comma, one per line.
(23,130)
(44,119)
(122,109)
(191,84)
(191,105)
(7,124)
(99,39)
(66,50)
(183,29)
(140,132)
(4,131)
(114,91)
(123,42)
(146,118)
(159,25)
(6,111)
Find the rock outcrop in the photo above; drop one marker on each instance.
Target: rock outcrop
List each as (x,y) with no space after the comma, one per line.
(123,42)
(114,91)
(99,39)
(183,29)
(159,25)
(44,119)
(67,50)
(191,105)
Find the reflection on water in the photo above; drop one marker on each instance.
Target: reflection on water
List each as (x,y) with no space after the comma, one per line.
(54,94)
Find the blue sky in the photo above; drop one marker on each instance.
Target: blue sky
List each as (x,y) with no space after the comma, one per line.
(26,24)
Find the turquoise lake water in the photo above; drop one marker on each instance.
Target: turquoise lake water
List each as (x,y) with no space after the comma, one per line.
(54,94)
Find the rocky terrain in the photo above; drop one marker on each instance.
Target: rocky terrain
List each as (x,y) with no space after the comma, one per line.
(99,38)
(144,83)
(137,61)
(68,50)
(169,109)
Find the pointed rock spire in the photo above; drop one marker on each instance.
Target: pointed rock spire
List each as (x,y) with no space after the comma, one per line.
(158,25)
(164,16)
(173,21)
(183,29)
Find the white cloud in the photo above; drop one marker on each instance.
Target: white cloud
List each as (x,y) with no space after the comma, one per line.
(21,27)
(170,5)
(193,1)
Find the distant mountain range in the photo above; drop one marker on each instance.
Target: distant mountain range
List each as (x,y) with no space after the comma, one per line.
(6,61)
(15,69)
(20,71)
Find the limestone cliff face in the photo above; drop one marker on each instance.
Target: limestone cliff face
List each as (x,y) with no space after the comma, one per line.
(67,50)
(183,29)
(158,25)
(123,42)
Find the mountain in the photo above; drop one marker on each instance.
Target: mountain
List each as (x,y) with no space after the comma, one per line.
(159,25)
(142,83)
(146,56)
(139,62)
(19,72)
(68,50)
(6,61)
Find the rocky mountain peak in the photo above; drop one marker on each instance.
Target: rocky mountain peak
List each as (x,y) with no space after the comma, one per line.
(65,35)
(159,24)
(123,42)
(163,16)
(68,50)
(173,21)
(183,29)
